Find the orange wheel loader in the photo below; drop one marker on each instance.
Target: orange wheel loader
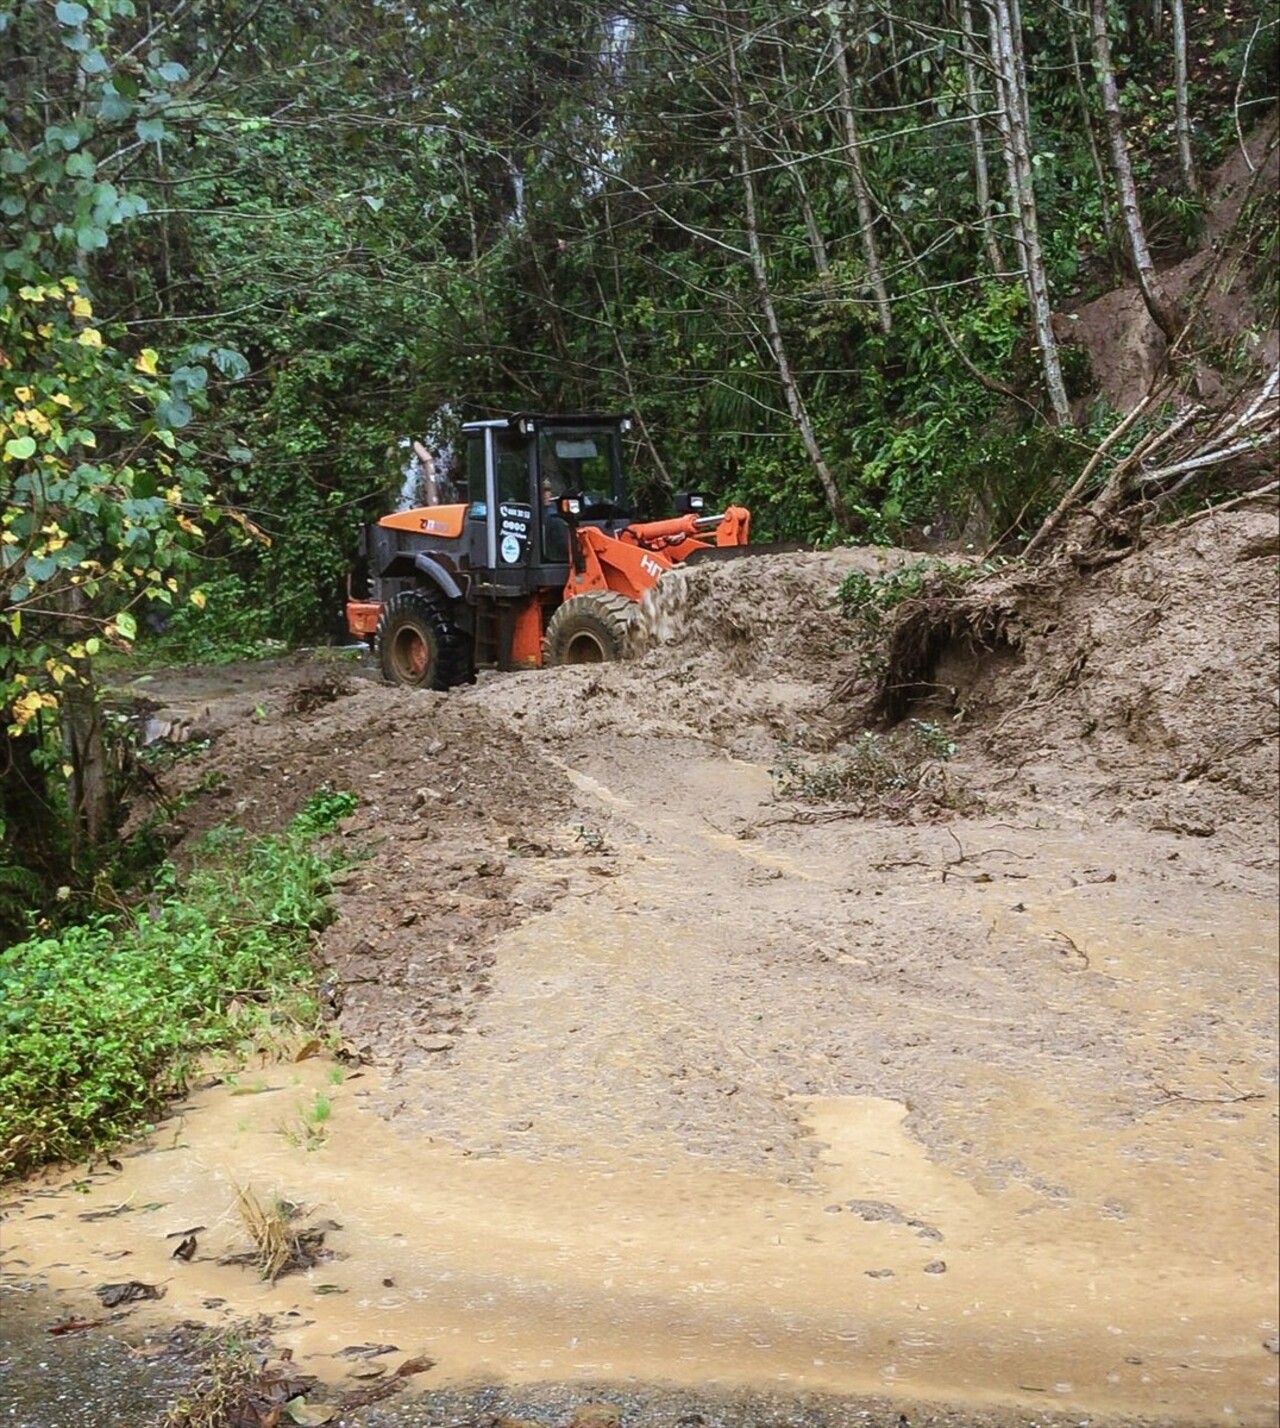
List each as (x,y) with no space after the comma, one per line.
(542,564)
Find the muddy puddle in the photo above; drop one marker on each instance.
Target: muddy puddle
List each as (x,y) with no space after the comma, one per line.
(889,1276)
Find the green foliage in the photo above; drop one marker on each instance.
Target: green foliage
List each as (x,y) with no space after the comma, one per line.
(230,625)
(871,599)
(100,1023)
(897,774)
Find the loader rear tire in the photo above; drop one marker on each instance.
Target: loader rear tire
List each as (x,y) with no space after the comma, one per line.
(594,628)
(418,644)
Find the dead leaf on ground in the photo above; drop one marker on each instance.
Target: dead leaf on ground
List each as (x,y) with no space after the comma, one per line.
(366,1351)
(73,1326)
(132,1290)
(420,1364)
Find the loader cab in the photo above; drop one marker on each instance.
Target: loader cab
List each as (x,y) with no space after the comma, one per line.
(518,469)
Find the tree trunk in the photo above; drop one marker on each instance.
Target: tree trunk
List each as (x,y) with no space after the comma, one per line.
(790,154)
(853,153)
(1095,155)
(1011,92)
(1153,294)
(90,792)
(981,175)
(777,345)
(1182,117)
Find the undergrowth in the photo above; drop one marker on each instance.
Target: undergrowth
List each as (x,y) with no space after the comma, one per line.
(101,1023)
(896,774)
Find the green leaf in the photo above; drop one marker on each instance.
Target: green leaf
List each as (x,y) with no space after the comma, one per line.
(62,136)
(151,130)
(89,238)
(12,162)
(172,72)
(127,625)
(12,204)
(94,62)
(173,412)
(114,106)
(230,363)
(186,380)
(20,448)
(69,13)
(81,165)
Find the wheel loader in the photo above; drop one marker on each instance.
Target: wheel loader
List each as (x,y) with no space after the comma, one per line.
(542,564)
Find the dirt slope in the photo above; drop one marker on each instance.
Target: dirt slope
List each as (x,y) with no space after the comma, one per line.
(678,1081)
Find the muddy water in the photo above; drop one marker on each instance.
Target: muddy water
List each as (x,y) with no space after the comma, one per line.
(1006,1140)
(683,1273)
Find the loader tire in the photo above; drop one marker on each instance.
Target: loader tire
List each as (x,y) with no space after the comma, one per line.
(594,628)
(418,644)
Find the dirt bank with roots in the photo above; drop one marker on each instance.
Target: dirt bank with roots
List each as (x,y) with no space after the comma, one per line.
(699,1036)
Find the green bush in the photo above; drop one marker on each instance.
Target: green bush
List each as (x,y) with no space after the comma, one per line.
(100,1024)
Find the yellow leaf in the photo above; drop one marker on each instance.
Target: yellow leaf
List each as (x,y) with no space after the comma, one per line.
(31,294)
(71,285)
(23,394)
(90,337)
(147,361)
(81,307)
(62,399)
(15,622)
(17,419)
(189,526)
(67,771)
(8,538)
(76,651)
(198,599)
(45,329)
(38,421)
(172,584)
(28,705)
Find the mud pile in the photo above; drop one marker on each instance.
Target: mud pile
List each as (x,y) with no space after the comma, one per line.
(1146,692)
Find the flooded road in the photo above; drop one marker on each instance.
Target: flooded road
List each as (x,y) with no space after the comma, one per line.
(1005,1140)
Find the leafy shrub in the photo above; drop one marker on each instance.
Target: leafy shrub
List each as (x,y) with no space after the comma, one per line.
(898,774)
(230,625)
(99,1024)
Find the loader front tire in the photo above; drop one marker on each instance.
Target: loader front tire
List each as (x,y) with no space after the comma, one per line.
(594,628)
(418,644)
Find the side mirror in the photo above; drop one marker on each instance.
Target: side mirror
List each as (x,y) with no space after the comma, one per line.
(570,507)
(690,503)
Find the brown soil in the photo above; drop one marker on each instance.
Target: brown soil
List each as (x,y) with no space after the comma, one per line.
(671,1080)
(1234,322)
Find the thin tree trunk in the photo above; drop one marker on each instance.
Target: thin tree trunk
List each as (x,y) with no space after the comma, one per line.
(1182,118)
(89,784)
(981,176)
(1095,154)
(616,330)
(853,153)
(1153,294)
(1011,83)
(790,153)
(795,400)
